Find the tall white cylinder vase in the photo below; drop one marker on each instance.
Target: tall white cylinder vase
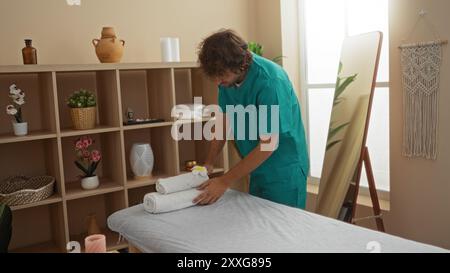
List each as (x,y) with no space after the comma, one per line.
(141,160)
(170,49)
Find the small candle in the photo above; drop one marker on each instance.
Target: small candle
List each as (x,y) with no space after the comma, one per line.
(95,243)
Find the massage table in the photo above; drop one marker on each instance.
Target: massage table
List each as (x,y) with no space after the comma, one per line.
(242,223)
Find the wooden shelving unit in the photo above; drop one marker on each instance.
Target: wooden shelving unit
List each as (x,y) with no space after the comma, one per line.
(150,89)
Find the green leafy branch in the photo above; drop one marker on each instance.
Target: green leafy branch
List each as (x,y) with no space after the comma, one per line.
(341,84)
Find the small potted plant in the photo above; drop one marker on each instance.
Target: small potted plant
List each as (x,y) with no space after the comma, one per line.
(82,105)
(87,161)
(15,109)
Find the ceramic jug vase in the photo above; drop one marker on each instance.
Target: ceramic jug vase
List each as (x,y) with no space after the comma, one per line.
(109,49)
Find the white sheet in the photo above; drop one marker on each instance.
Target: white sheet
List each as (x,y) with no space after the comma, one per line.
(242,223)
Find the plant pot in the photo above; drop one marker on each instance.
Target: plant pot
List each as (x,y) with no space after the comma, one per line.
(83,118)
(141,160)
(109,49)
(20,129)
(90,183)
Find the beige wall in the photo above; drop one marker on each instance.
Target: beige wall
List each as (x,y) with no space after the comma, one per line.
(265,25)
(420,189)
(63,34)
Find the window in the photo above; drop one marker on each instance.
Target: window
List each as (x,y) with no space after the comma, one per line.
(323,25)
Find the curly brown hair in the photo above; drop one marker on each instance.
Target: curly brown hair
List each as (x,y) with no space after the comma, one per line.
(223,51)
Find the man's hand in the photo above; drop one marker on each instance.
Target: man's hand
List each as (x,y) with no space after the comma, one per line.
(212,189)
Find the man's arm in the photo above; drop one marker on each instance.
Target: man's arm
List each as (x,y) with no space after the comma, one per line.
(219,140)
(215,147)
(214,188)
(253,160)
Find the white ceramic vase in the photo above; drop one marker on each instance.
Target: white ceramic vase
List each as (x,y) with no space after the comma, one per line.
(20,129)
(141,160)
(90,183)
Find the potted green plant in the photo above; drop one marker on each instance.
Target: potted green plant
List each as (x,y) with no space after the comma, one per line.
(82,105)
(15,109)
(87,161)
(258,49)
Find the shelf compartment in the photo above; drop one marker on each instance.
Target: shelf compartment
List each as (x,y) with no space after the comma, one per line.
(192,149)
(38,229)
(164,152)
(39,108)
(102,206)
(203,87)
(183,86)
(32,158)
(136,195)
(196,150)
(110,170)
(102,83)
(149,93)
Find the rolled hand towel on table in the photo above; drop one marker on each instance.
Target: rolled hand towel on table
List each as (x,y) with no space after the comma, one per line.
(156,202)
(182,182)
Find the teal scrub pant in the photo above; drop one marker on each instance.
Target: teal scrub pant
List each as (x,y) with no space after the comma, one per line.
(289,190)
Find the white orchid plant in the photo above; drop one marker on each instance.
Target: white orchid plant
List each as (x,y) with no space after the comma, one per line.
(18,98)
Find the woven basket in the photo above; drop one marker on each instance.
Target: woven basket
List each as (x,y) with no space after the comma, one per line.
(83,118)
(21,190)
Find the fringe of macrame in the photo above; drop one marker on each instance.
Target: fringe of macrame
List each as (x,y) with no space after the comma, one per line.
(420,103)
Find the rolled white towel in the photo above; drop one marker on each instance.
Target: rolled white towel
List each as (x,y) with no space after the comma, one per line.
(156,202)
(182,182)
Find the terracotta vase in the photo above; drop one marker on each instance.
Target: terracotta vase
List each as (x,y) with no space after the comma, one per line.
(92,225)
(109,49)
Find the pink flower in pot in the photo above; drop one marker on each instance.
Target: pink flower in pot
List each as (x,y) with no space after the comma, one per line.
(87,161)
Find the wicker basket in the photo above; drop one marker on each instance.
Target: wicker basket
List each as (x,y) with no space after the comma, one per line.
(21,190)
(83,118)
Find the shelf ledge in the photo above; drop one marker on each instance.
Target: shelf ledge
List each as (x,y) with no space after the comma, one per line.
(97,130)
(74,190)
(37,135)
(56,198)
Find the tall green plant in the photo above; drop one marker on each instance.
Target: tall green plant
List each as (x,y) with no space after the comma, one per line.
(341,84)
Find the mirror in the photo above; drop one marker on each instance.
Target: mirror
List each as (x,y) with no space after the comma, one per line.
(349,122)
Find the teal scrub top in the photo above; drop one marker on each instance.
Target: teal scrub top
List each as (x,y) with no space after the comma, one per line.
(267,85)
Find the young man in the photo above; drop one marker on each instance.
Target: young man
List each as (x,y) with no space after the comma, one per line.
(248,80)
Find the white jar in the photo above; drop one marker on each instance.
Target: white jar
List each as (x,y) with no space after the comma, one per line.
(141,160)
(20,129)
(90,183)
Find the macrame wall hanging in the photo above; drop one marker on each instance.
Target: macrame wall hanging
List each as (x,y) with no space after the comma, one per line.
(421,64)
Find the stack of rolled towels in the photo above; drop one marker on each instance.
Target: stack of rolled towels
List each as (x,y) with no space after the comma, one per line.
(177,192)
